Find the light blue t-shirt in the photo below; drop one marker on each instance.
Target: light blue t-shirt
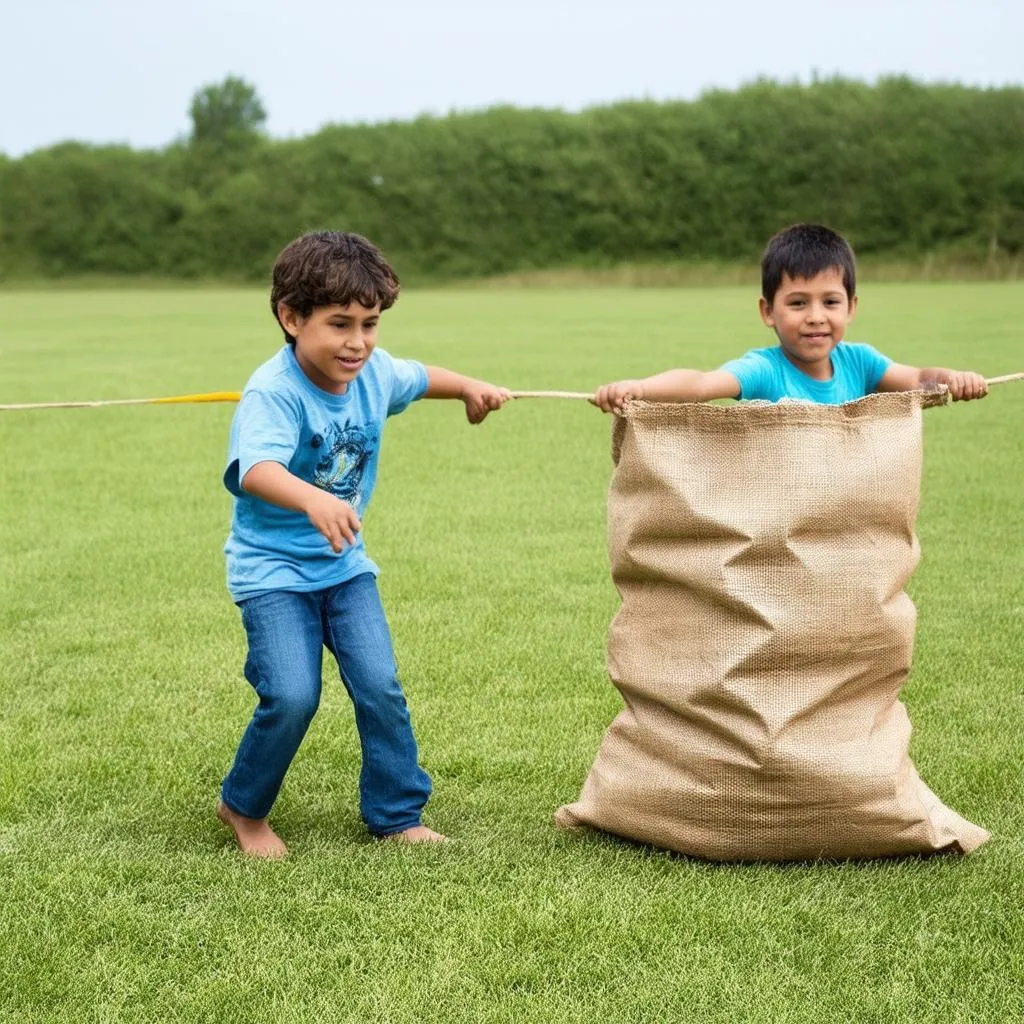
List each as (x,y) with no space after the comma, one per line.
(331,441)
(766,373)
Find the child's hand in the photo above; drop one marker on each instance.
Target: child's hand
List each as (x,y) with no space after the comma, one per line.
(612,397)
(482,398)
(964,385)
(334,518)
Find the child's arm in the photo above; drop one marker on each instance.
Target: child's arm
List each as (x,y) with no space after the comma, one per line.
(334,518)
(963,384)
(479,397)
(671,386)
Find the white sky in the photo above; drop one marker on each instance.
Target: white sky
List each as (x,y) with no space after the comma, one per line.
(120,71)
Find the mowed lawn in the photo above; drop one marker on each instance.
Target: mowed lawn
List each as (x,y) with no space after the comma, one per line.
(122,699)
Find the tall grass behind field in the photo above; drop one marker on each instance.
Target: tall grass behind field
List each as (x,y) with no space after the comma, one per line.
(933,267)
(122,700)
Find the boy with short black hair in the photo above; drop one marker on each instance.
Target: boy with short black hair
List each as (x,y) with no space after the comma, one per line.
(302,464)
(808,297)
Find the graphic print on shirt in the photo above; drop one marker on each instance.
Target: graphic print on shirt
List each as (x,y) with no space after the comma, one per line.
(340,469)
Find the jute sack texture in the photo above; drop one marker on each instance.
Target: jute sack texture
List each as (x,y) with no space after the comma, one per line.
(761,553)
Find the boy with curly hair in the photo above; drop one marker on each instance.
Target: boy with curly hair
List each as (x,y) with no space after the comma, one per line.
(302,465)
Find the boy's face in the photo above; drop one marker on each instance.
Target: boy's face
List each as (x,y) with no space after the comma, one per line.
(810,316)
(333,343)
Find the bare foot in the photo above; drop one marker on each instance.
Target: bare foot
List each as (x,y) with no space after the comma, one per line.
(255,837)
(417,834)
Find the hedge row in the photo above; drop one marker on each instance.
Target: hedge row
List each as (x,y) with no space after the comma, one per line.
(902,168)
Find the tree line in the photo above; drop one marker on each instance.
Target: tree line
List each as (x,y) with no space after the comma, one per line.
(902,168)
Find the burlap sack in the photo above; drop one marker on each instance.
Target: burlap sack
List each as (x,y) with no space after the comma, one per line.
(761,553)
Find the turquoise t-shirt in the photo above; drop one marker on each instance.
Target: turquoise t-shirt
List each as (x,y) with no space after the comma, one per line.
(330,441)
(766,374)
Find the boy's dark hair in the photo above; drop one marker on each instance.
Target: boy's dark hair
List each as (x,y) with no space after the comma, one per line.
(327,268)
(805,250)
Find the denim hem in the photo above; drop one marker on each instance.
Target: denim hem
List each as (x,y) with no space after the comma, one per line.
(394,830)
(230,805)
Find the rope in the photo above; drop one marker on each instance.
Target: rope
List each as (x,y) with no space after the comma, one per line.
(234,396)
(583,394)
(211,396)
(553,394)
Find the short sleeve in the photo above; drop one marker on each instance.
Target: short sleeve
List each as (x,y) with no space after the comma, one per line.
(873,366)
(755,375)
(265,429)
(408,382)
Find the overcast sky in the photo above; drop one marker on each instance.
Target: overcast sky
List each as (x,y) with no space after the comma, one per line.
(118,71)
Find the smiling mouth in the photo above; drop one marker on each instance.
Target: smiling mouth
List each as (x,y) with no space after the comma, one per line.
(349,363)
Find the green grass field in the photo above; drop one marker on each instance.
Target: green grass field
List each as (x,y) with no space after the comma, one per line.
(122,700)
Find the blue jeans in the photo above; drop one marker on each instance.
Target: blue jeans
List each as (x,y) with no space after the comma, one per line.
(287,632)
